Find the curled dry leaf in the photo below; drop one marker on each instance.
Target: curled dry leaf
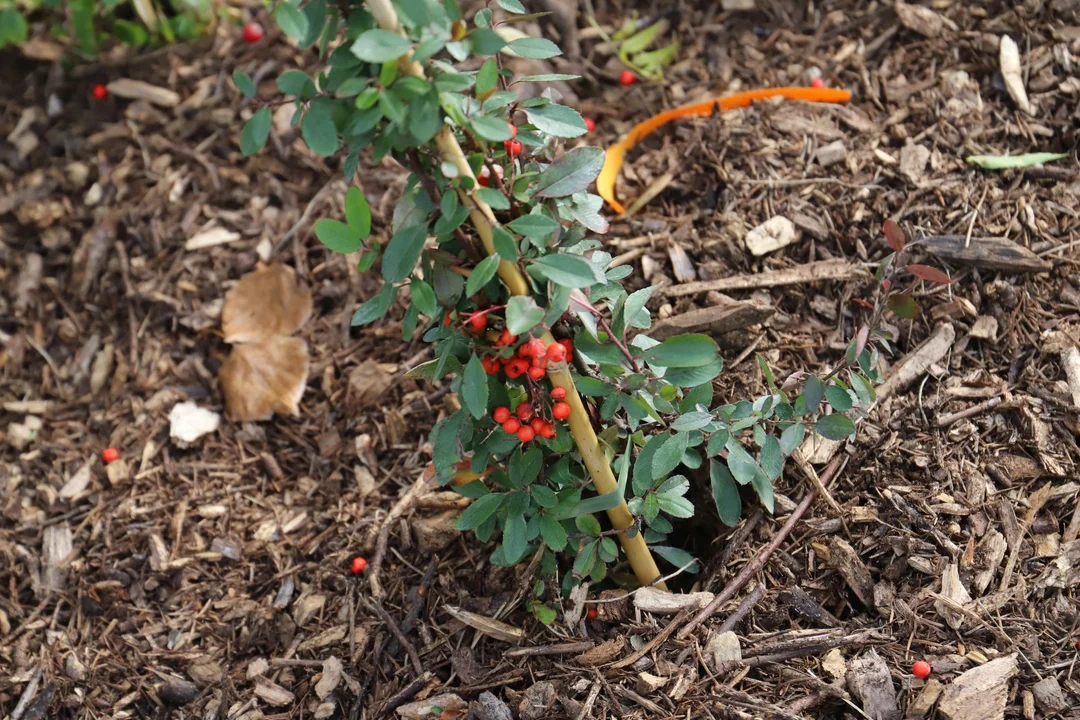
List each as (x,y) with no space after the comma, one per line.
(264,377)
(1009,61)
(266,302)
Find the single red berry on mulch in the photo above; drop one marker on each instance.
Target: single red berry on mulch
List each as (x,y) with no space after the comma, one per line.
(591,614)
(359,565)
(627,77)
(501,414)
(537,372)
(817,83)
(526,434)
(109,455)
(921,669)
(513,148)
(561,411)
(511,426)
(253,33)
(558,394)
(886,284)
(478,322)
(100,92)
(590,124)
(556,352)
(524,411)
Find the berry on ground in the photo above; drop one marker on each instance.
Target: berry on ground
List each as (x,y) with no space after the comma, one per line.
(526,434)
(921,669)
(501,414)
(359,565)
(524,411)
(478,322)
(556,352)
(511,426)
(109,455)
(100,92)
(591,614)
(536,372)
(561,411)
(627,77)
(817,83)
(590,124)
(558,394)
(513,148)
(253,33)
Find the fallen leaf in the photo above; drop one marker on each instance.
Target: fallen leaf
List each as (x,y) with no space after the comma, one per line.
(262,378)
(487,626)
(188,422)
(266,302)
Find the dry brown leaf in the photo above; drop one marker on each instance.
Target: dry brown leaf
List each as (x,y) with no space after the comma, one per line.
(266,302)
(265,377)
(488,626)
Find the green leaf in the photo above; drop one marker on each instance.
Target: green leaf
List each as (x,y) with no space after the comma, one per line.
(474,388)
(544,496)
(669,454)
(791,438)
(337,236)
(839,398)
(583,563)
(553,533)
(376,307)
(522,314)
(82,21)
(550,77)
(296,82)
(482,274)
(380,46)
(634,313)
(491,128)
(742,464)
(835,427)
(255,132)
(292,20)
(1003,162)
(725,494)
(692,350)
(402,252)
(315,11)
(242,81)
(504,244)
(514,542)
(694,376)
(678,557)
(423,297)
(772,459)
(675,505)
(588,525)
(13,28)
(571,172)
(557,120)
(318,129)
(366,99)
(357,212)
(487,79)
(129,33)
(539,227)
(493,198)
(485,41)
(764,489)
(903,305)
(534,48)
(572,271)
(425,120)
(480,510)
(511,6)
(694,420)
(813,393)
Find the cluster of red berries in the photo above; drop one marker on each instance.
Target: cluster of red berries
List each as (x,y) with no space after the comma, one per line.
(513,147)
(531,359)
(526,424)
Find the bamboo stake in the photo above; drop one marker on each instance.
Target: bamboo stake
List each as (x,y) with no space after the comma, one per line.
(483,219)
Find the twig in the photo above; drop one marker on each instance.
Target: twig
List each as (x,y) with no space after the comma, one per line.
(304,216)
(948,419)
(418,603)
(397,511)
(652,644)
(812,476)
(655,582)
(406,695)
(559,649)
(396,631)
(745,606)
(763,555)
(27,695)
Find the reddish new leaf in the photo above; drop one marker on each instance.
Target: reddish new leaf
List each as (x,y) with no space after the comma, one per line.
(861,338)
(928,273)
(894,235)
(903,305)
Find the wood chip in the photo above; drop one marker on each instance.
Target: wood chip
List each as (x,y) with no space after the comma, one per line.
(798,275)
(979,693)
(660,602)
(138,90)
(603,653)
(723,649)
(331,677)
(211,237)
(681,264)
(954,590)
(918,361)
(1012,73)
(1049,696)
(844,558)
(448,704)
(488,626)
(992,253)
(868,679)
(775,233)
(922,20)
(1064,571)
(924,703)
(57,545)
(273,694)
(78,482)
(834,664)
(715,320)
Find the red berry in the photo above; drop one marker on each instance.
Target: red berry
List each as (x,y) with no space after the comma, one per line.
(556,352)
(524,411)
(506,339)
(501,414)
(513,130)
(627,77)
(359,565)
(537,373)
(561,411)
(478,322)
(525,434)
(558,394)
(109,455)
(591,614)
(484,177)
(516,368)
(590,124)
(817,83)
(548,431)
(537,425)
(491,365)
(569,345)
(513,148)
(536,348)
(511,426)
(921,669)
(447,318)
(886,284)
(100,92)
(253,33)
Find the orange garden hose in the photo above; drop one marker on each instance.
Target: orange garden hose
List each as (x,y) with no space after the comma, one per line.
(605,183)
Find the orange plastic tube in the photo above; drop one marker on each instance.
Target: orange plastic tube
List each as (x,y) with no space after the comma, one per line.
(605,183)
